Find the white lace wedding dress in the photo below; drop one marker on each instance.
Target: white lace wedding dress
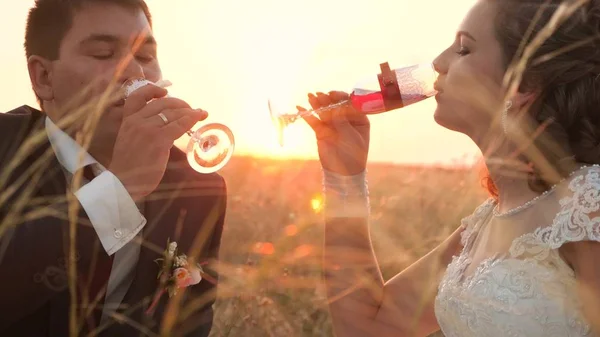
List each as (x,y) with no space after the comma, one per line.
(509,279)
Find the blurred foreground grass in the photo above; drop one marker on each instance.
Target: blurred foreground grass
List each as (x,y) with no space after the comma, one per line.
(273,237)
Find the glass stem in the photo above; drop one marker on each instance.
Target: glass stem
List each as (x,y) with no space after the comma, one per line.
(191,134)
(325,108)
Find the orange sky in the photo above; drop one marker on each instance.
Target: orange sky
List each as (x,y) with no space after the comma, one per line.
(230,56)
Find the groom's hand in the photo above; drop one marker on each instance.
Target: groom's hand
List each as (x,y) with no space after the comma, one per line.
(144,140)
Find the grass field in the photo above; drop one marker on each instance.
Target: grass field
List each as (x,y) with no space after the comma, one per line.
(273,237)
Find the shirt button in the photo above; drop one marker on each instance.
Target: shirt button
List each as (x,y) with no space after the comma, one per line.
(118,233)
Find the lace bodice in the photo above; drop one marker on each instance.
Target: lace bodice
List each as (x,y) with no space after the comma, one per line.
(509,279)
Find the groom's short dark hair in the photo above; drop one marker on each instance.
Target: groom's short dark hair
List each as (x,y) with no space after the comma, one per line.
(49,20)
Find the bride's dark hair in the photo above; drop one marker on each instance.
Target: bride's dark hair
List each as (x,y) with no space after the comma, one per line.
(565,70)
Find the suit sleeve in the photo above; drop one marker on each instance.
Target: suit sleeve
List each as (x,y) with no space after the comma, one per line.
(33,250)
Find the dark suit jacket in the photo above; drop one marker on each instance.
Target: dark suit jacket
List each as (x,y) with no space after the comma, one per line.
(34,292)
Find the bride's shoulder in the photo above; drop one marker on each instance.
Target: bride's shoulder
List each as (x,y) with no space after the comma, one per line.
(581,182)
(589,174)
(479,212)
(577,218)
(469,222)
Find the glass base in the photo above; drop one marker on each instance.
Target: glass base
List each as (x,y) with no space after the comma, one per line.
(210,148)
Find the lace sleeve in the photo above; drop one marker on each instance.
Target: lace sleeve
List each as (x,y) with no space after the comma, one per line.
(467,227)
(470,222)
(579,216)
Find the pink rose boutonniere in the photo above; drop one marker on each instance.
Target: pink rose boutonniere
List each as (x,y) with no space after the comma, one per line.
(175,273)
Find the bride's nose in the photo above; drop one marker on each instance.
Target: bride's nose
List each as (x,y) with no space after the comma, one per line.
(440,65)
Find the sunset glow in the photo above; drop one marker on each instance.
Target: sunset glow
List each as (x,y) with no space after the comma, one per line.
(230,57)
(317,204)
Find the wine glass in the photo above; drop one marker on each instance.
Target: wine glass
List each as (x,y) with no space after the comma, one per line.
(389,90)
(210,147)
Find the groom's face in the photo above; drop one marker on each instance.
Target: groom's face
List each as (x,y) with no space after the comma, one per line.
(105,42)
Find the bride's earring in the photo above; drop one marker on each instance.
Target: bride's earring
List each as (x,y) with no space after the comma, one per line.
(507,106)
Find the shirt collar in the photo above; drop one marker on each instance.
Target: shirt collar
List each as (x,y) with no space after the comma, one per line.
(67,150)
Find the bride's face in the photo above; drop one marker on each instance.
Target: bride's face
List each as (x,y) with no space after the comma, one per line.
(470,74)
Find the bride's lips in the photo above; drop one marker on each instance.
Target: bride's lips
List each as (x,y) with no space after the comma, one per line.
(439,91)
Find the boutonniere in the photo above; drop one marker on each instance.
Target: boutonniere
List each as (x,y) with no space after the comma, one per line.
(175,273)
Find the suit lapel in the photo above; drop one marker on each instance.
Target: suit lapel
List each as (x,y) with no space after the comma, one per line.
(161,215)
(168,211)
(53,183)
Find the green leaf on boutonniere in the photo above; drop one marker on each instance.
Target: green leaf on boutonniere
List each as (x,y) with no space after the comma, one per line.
(172,291)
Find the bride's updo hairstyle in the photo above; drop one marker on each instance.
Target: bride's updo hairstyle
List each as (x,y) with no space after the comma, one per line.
(565,71)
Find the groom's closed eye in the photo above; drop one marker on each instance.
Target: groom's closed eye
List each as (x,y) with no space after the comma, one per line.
(106,47)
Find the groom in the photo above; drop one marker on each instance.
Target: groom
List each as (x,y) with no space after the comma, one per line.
(133,190)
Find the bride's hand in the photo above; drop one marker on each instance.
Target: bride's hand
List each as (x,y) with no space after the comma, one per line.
(342,134)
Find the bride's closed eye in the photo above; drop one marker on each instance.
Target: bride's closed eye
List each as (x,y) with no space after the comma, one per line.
(463,51)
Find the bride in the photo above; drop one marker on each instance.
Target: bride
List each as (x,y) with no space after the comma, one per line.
(526,262)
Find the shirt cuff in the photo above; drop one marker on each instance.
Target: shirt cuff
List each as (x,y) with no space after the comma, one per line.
(346,196)
(111,210)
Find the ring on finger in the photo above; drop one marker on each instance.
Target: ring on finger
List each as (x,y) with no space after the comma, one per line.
(163,117)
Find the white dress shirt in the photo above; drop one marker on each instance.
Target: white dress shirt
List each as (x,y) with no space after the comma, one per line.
(114,215)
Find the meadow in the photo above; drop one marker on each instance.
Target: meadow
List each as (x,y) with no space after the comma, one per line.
(274,234)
